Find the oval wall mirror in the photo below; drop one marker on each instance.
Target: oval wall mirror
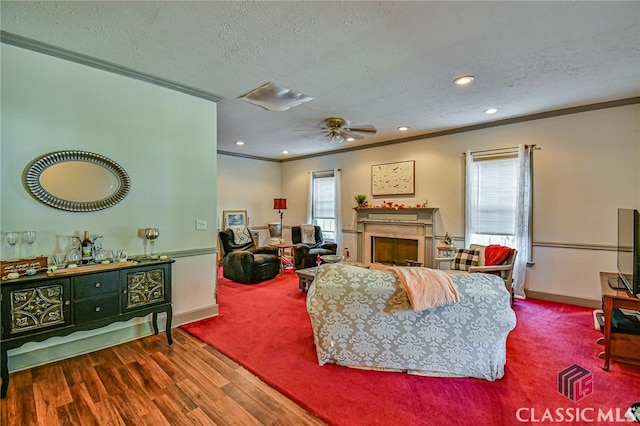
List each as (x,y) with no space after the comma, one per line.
(76,181)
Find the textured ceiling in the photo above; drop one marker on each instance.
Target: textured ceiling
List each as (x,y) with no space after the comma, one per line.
(381,63)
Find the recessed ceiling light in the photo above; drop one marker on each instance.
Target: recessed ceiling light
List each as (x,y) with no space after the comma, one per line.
(285,152)
(239,143)
(403,128)
(491,111)
(350,139)
(463,80)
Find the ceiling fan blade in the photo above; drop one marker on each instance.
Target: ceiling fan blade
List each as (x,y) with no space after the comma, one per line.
(347,134)
(369,128)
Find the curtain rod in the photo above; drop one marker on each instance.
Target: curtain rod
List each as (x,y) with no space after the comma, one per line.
(324,171)
(533,147)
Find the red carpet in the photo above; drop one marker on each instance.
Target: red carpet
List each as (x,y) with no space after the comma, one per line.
(265,327)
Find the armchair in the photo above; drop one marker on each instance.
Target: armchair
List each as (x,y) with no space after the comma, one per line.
(504,269)
(245,263)
(305,254)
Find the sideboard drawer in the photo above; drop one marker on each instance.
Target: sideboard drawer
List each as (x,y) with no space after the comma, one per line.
(97,308)
(96,285)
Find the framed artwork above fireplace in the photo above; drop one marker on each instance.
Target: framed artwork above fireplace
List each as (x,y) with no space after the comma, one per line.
(393,178)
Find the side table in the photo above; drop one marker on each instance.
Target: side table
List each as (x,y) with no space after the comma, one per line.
(307,275)
(287,259)
(439,260)
(445,254)
(621,347)
(446,251)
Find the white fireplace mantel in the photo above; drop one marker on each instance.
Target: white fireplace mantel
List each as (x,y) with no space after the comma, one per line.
(406,223)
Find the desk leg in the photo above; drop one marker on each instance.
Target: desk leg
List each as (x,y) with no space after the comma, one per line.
(154,322)
(608,311)
(169,311)
(4,373)
(167,329)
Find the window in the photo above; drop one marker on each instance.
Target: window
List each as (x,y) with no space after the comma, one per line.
(493,196)
(499,203)
(323,203)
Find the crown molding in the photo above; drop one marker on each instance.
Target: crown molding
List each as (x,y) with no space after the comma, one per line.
(58,52)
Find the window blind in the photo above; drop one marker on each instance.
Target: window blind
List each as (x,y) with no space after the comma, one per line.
(324,197)
(494,195)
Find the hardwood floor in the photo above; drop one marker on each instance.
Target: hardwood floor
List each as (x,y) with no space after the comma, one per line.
(147,382)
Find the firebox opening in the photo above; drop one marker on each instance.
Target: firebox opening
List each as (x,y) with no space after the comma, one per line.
(394,251)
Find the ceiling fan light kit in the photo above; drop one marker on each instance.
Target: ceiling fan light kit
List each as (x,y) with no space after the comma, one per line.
(274,97)
(340,130)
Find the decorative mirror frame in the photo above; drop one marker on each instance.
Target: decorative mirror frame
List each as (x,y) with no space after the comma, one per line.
(35,169)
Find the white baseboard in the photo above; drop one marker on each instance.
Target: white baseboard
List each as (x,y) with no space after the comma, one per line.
(81,342)
(569,300)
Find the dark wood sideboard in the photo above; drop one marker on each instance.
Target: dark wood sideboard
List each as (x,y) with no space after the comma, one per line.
(36,308)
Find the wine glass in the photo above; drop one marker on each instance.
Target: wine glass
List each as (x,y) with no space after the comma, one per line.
(151,234)
(74,255)
(29,237)
(12,240)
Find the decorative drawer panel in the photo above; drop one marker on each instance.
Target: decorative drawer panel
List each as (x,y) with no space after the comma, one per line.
(38,307)
(96,285)
(145,288)
(97,308)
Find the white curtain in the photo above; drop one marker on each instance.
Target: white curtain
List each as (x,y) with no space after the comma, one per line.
(337,177)
(523,219)
(469,202)
(310,200)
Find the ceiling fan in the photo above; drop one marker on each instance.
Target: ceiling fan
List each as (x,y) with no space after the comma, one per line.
(338,130)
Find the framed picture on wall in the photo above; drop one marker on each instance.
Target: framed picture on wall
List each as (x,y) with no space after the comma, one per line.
(234,218)
(393,178)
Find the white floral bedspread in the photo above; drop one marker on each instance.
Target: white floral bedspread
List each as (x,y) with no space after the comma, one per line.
(362,318)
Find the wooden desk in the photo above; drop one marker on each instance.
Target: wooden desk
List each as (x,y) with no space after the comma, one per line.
(622,347)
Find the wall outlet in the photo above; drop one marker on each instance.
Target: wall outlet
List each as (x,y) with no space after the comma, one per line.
(201,225)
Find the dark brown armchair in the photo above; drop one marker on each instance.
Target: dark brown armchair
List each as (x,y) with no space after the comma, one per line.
(305,254)
(246,263)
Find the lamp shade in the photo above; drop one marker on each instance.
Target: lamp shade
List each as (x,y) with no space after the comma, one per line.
(280,203)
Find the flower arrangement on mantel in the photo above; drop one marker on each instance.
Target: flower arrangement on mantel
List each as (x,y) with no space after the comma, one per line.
(364,204)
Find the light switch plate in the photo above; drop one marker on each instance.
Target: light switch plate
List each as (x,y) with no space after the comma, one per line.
(201,225)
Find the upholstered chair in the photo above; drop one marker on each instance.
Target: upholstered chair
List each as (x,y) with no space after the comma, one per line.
(305,255)
(474,260)
(244,262)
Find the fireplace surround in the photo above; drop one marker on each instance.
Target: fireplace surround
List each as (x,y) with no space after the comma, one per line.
(416,224)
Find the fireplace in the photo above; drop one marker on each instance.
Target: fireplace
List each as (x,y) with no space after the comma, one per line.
(394,251)
(394,236)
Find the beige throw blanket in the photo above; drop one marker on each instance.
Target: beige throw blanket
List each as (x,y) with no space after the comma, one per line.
(426,288)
